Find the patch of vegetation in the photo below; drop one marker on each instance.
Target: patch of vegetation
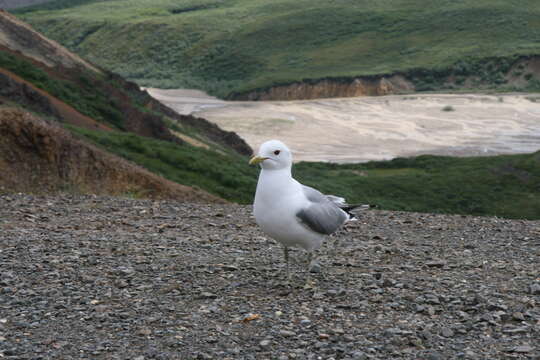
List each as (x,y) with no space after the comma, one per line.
(227,47)
(533,85)
(83,95)
(506,185)
(225,175)
(482,73)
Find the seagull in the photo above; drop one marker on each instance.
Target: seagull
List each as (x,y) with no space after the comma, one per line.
(293,214)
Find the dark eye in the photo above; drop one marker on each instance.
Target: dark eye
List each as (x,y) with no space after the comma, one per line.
(276,152)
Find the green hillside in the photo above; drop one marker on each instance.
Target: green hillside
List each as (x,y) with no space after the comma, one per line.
(240,45)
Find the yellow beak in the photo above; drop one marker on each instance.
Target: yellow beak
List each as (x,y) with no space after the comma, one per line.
(257,160)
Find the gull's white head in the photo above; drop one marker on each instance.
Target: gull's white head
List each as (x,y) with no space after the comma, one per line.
(273,155)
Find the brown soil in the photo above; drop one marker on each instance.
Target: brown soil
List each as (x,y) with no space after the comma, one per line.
(41,157)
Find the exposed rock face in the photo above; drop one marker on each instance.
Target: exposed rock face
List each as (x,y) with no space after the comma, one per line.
(38,156)
(362,86)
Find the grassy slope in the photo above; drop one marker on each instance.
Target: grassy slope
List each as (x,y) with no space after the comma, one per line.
(227,46)
(225,175)
(83,95)
(506,186)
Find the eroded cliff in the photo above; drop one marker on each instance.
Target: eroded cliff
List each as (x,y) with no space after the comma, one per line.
(514,73)
(41,157)
(330,88)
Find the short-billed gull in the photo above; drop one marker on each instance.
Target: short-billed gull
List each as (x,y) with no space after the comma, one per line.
(293,214)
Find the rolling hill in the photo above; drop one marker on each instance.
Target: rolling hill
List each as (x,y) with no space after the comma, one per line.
(68,125)
(243,48)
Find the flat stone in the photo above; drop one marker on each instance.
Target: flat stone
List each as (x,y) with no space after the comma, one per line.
(265,343)
(208,295)
(287,333)
(534,289)
(523,349)
(447,332)
(436,263)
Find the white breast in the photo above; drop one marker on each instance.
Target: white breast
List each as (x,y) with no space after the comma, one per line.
(277,201)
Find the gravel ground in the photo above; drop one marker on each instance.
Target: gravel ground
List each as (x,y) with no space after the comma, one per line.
(111,278)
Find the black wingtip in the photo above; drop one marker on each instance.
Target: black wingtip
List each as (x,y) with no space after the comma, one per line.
(349,208)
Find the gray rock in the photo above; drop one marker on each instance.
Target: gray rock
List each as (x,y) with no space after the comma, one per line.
(436,263)
(287,333)
(208,295)
(518,330)
(315,267)
(434,356)
(534,288)
(523,349)
(447,332)
(332,292)
(359,355)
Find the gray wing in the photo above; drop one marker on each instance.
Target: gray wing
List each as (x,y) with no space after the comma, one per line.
(322,215)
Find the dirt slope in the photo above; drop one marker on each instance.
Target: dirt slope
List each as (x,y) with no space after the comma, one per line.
(41,157)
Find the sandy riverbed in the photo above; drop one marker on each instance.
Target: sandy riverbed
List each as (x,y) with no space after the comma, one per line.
(375,128)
